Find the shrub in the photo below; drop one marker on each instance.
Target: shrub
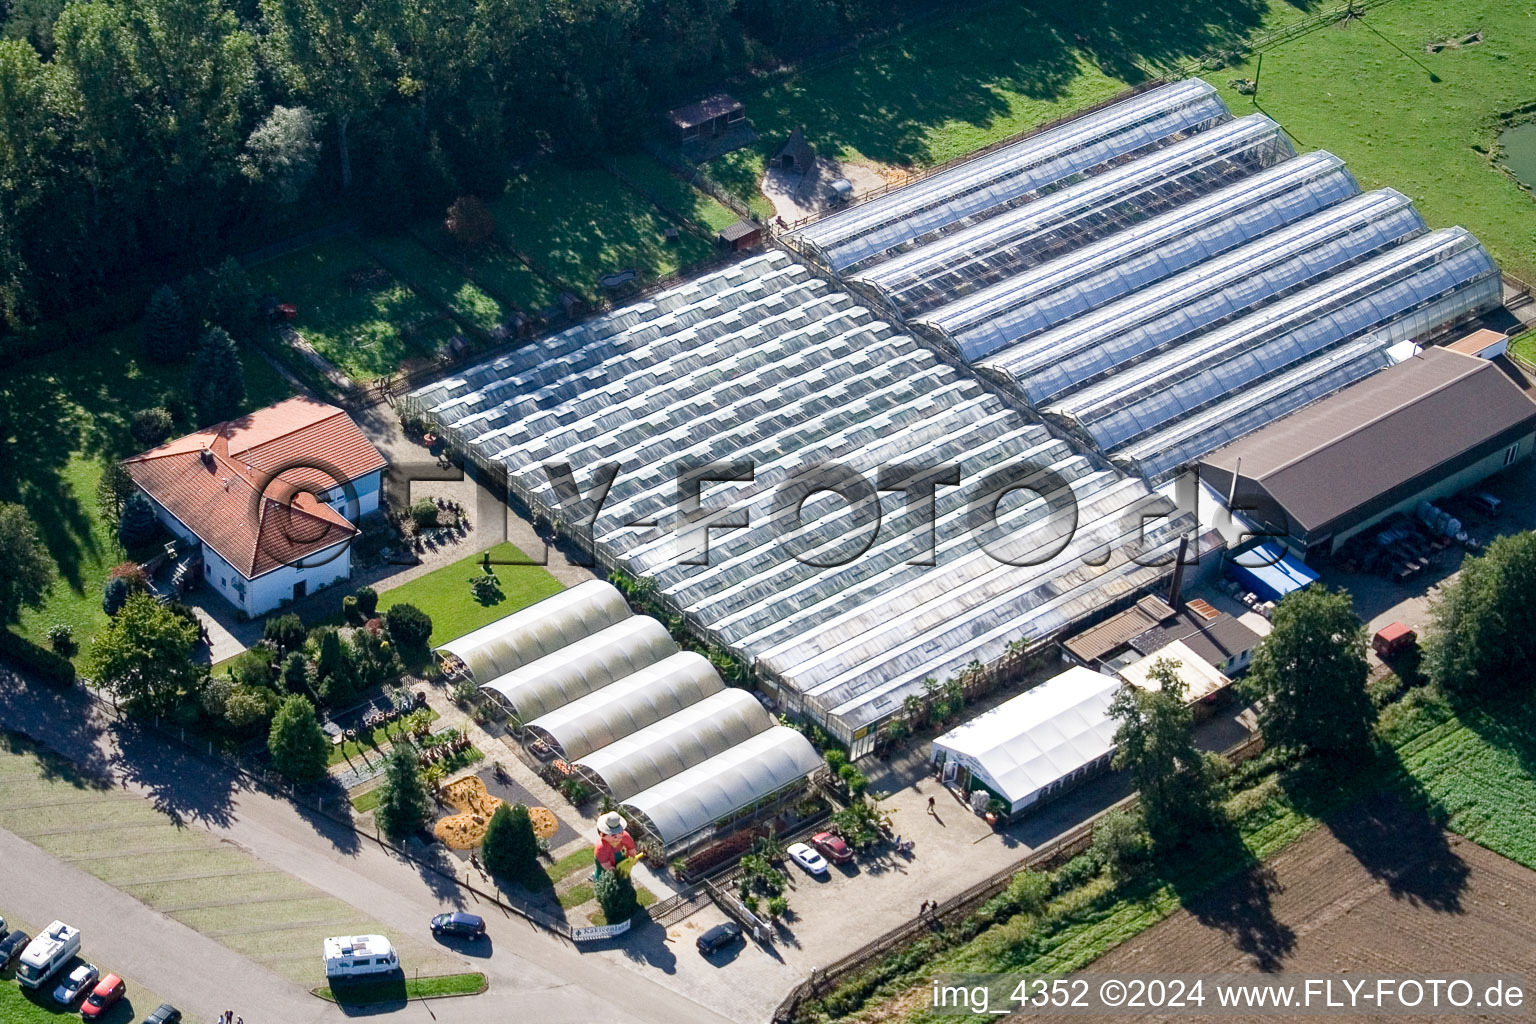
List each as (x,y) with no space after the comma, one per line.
(137,524)
(254,667)
(53,667)
(853,779)
(616,895)
(409,627)
(61,637)
(510,850)
(424,514)
(470,222)
(1076,872)
(246,707)
(114,595)
(367,601)
(285,633)
(132,572)
(1121,843)
(151,427)
(487,589)
(295,672)
(777,907)
(349,609)
(463,691)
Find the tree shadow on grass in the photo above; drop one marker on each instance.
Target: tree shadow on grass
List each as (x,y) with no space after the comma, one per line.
(55,718)
(1504,721)
(1388,822)
(1239,907)
(183,786)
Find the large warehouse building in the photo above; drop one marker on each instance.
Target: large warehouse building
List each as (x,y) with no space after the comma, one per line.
(1195,283)
(1428,427)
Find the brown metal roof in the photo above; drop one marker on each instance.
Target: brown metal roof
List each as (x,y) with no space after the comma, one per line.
(1114,632)
(743,228)
(704,111)
(1475,342)
(1334,456)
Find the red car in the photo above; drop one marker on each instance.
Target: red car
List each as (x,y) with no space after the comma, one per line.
(832,847)
(103,997)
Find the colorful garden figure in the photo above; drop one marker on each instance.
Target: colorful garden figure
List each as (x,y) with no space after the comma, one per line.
(614,844)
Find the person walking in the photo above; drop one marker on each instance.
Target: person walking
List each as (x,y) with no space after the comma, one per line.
(930,806)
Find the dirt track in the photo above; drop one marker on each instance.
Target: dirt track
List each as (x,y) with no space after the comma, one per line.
(1380,891)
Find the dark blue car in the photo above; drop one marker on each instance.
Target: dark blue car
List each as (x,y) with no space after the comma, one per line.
(465,926)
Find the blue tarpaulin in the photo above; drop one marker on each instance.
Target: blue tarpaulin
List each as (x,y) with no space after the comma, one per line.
(1270,571)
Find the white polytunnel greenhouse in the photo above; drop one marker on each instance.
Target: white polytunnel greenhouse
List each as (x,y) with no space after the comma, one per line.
(1015,173)
(1038,744)
(1174,298)
(527,635)
(691,736)
(773,760)
(830,602)
(630,713)
(628,705)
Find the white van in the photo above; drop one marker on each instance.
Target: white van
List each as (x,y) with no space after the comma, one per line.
(352,956)
(46,954)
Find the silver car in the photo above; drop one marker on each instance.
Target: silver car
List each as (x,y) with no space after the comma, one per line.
(76,985)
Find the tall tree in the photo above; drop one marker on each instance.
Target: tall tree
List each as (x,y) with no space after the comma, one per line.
(1178,785)
(26,572)
(1482,634)
(1309,674)
(403,795)
(296,742)
(166,329)
(283,152)
(510,849)
(144,656)
(336,54)
(231,299)
(217,380)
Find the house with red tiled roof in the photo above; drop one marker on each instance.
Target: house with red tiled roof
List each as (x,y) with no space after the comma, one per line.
(271,499)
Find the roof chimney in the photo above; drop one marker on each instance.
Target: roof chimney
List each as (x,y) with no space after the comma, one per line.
(1237,471)
(1178,573)
(207,457)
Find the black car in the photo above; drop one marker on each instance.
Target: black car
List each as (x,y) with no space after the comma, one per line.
(11,947)
(718,937)
(165,1013)
(465,926)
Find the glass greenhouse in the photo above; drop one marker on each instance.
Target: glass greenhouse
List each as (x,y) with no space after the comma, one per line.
(1013,175)
(999,247)
(830,602)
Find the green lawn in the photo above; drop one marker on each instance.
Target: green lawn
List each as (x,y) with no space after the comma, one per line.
(443,282)
(21,1006)
(400,989)
(444,593)
(1347,90)
(1524,346)
(491,266)
(224,892)
(581,223)
(64,416)
(366,329)
(946,87)
(570,864)
(368,801)
(675,194)
(577,894)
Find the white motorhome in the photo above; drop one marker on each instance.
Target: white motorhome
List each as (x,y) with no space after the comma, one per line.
(47,953)
(351,956)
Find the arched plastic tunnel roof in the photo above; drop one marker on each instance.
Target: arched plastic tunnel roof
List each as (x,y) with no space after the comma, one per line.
(538,630)
(578,669)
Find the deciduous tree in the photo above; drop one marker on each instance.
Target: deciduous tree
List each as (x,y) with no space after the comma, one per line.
(297,743)
(1482,635)
(144,656)
(26,569)
(1178,785)
(1309,674)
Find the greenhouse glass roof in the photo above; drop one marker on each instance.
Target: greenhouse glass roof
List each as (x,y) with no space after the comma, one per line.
(1014,174)
(777,370)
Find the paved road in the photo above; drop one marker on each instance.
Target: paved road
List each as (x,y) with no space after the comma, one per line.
(533,976)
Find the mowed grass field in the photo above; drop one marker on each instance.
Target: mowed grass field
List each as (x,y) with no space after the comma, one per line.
(67,414)
(579,223)
(219,890)
(1371,100)
(444,593)
(365,328)
(947,86)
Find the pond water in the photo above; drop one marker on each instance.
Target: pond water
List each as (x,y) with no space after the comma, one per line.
(1519,144)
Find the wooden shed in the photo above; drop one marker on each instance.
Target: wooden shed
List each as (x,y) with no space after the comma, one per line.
(708,118)
(796,154)
(744,234)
